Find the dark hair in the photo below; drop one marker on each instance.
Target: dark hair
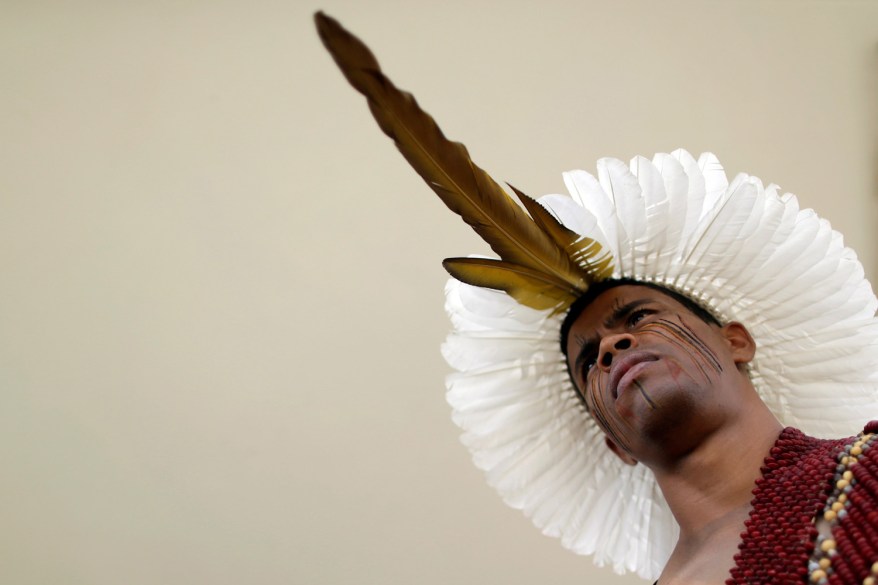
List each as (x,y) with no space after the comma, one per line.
(598,288)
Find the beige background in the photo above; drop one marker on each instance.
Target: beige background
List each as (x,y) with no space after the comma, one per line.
(221,291)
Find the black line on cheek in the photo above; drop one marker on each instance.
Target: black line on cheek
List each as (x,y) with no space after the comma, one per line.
(600,416)
(695,339)
(685,332)
(665,333)
(583,395)
(596,410)
(644,394)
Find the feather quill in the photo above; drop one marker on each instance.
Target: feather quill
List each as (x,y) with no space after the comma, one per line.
(445,165)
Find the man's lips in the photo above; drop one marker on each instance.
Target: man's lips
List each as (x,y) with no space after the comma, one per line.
(618,380)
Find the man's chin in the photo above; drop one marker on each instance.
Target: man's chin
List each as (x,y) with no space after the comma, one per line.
(670,427)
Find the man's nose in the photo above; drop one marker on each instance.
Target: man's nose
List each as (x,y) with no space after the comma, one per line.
(611,346)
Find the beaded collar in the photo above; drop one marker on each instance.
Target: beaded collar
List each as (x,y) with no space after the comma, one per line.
(848,550)
(797,478)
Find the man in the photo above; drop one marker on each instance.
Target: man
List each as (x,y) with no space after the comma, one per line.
(647,273)
(670,389)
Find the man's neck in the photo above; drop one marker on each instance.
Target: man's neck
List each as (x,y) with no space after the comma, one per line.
(709,491)
(717,477)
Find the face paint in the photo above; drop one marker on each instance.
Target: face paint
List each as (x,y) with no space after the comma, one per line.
(601,415)
(644,394)
(678,334)
(678,356)
(683,336)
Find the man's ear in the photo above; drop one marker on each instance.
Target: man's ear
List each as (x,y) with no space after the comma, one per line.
(742,346)
(621,453)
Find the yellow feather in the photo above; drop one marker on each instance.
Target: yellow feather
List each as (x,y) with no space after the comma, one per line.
(529,287)
(591,258)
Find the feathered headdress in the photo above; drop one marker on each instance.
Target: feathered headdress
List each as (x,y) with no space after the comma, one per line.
(743,250)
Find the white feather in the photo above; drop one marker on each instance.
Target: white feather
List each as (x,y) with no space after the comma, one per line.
(677,190)
(624,192)
(576,218)
(586,190)
(715,181)
(656,202)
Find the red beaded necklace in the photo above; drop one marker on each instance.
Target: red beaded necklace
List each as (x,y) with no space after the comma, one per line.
(797,478)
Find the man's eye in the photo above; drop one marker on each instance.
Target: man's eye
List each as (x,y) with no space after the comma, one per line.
(588,363)
(636,316)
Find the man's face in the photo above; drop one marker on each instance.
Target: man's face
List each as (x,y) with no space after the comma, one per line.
(654,376)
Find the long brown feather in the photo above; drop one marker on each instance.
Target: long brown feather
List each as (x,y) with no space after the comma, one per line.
(529,287)
(446,166)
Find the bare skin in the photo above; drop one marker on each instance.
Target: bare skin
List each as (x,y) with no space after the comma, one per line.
(671,392)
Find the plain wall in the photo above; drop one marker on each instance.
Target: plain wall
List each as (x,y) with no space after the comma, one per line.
(220,285)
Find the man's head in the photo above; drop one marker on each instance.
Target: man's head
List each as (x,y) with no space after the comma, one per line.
(655,371)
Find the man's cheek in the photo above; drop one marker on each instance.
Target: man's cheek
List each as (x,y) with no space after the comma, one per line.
(601,411)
